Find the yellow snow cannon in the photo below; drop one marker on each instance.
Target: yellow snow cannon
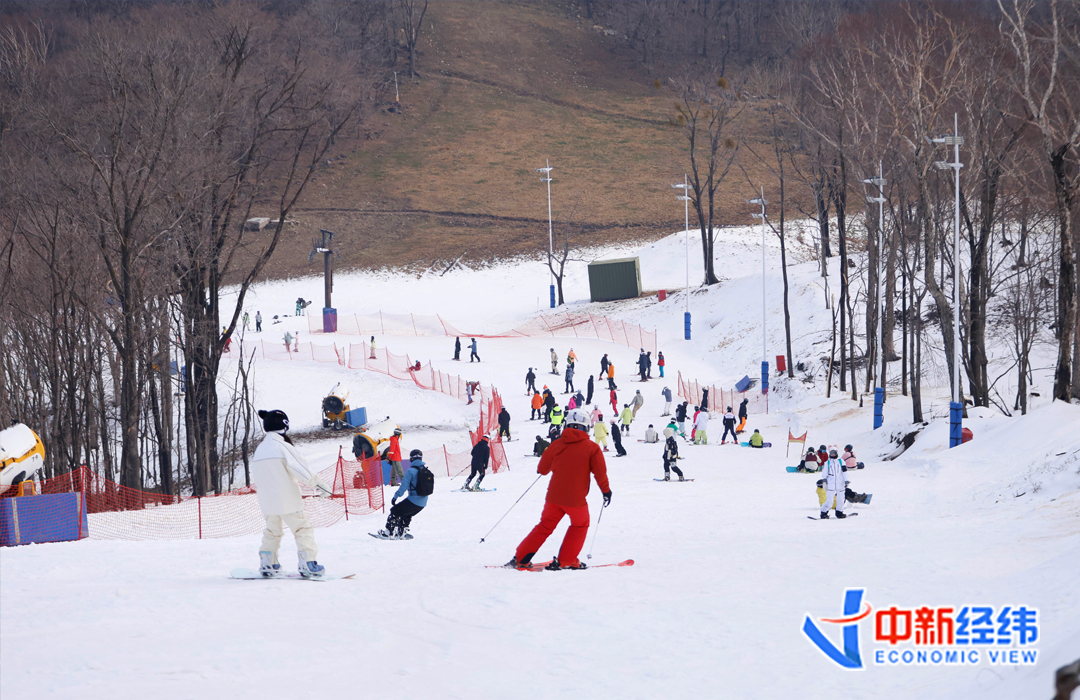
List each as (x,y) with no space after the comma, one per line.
(334,408)
(21,455)
(366,442)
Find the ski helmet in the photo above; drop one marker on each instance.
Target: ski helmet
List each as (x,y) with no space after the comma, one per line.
(274,420)
(416,454)
(849,448)
(397,431)
(577,419)
(833,454)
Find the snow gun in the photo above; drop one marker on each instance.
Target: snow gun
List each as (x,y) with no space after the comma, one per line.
(21,455)
(334,408)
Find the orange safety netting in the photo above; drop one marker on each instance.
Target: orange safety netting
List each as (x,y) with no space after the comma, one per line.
(279,351)
(559,324)
(720,399)
(119,513)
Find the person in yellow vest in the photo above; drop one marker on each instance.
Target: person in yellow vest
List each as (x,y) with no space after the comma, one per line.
(600,432)
(756,440)
(557,416)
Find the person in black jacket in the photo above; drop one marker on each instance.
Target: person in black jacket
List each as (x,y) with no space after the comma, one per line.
(539,447)
(457,348)
(680,417)
(481,452)
(603,365)
(504,423)
(549,403)
(616,437)
(643,365)
(530,382)
(705,400)
(588,399)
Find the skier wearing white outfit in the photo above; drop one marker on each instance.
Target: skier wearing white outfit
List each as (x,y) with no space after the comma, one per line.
(277,469)
(835,485)
(700,426)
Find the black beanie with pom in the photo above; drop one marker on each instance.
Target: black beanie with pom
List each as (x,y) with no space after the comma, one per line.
(274,420)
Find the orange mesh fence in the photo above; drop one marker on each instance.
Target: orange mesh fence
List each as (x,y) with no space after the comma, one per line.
(363,356)
(120,513)
(560,324)
(294,351)
(720,399)
(444,463)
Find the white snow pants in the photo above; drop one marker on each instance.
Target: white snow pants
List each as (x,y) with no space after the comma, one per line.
(840,496)
(667,407)
(303,533)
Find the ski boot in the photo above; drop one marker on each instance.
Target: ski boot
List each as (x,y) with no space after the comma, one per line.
(682,478)
(466,487)
(667,477)
(267,567)
(309,569)
(523,564)
(553,565)
(840,514)
(825,515)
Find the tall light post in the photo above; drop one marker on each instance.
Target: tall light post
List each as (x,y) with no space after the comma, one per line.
(764,343)
(551,238)
(879,391)
(685,197)
(956,409)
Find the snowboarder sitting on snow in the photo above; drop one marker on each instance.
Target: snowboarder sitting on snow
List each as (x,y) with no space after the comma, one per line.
(671,454)
(835,485)
(756,440)
(810,462)
(277,467)
(822,455)
(418,483)
(540,446)
(571,461)
(729,427)
(651,435)
(481,452)
(849,458)
(504,423)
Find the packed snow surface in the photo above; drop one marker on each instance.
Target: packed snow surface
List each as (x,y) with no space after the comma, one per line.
(726,567)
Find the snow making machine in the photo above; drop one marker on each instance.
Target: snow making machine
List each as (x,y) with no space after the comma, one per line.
(334,408)
(21,455)
(370,440)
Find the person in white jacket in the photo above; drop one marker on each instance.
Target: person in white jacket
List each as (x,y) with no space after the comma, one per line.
(835,485)
(700,426)
(277,469)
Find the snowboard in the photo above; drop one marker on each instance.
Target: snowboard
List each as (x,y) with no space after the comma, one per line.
(254,575)
(831,517)
(539,566)
(747,444)
(675,480)
(380,537)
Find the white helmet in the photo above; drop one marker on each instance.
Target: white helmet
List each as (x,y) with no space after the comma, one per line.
(577,417)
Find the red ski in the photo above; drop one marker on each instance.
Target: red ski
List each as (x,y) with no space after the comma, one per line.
(540,566)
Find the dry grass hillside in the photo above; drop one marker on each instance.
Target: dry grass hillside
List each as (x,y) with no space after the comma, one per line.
(503,86)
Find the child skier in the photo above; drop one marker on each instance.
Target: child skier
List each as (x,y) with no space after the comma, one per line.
(571,461)
(729,427)
(627,417)
(416,486)
(277,467)
(671,454)
(600,432)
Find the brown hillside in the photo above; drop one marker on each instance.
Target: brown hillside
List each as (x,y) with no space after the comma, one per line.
(503,86)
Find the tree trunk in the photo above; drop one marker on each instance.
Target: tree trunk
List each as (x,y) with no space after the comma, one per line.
(1066,286)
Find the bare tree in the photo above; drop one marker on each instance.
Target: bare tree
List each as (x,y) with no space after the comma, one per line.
(706,113)
(410,19)
(1048,82)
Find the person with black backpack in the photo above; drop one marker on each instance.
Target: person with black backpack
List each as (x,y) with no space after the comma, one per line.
(418,483)
(481,452)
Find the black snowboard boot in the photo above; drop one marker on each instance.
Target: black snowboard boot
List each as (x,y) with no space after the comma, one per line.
(840,514)
(825,515)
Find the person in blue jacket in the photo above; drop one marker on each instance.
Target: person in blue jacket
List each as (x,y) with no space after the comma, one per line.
(401,514)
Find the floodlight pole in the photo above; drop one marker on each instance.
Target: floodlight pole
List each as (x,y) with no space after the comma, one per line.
(879,391)
(551,237)
(956,409)
(764,342)
(685,197)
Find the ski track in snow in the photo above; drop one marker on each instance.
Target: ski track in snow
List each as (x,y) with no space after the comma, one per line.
(726,568)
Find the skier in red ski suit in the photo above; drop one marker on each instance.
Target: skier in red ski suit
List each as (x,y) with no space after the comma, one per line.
(571,460)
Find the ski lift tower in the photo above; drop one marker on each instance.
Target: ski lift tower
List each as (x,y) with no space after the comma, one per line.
(329,313)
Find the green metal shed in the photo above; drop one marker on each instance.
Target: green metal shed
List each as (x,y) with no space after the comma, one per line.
(614,279)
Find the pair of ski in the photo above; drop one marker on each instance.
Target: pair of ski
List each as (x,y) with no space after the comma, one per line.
(542,566)
(254,575)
